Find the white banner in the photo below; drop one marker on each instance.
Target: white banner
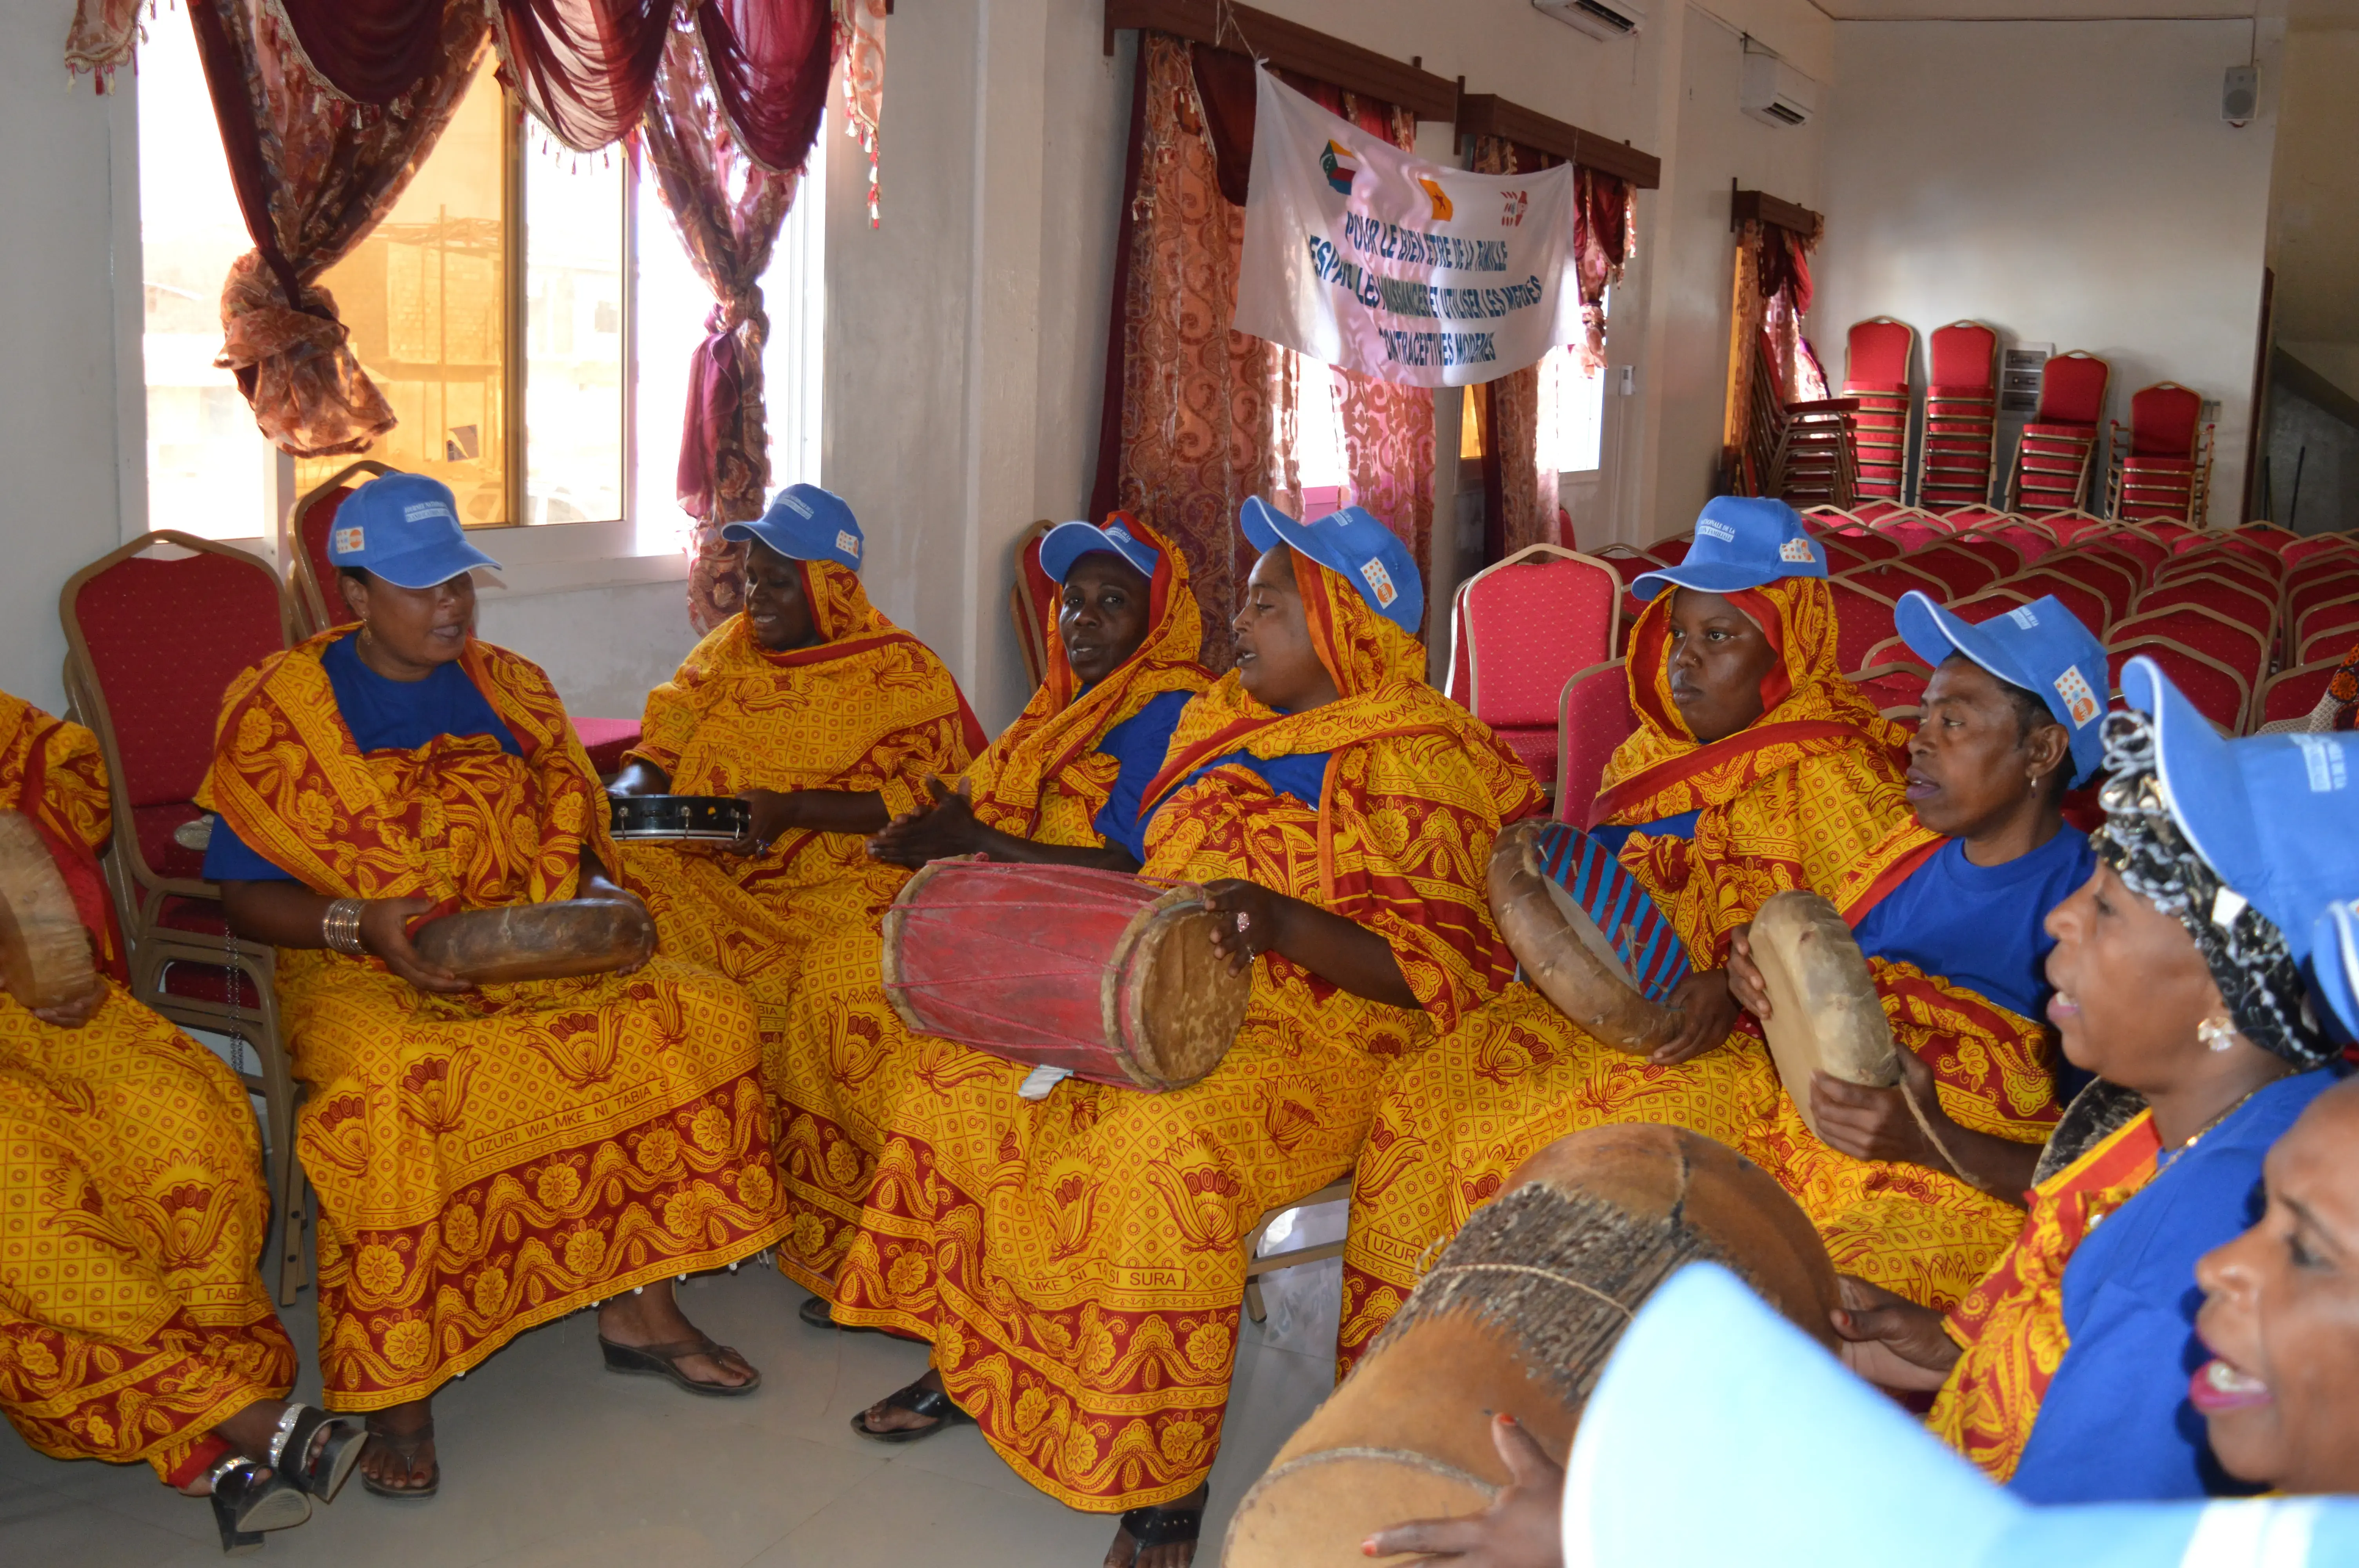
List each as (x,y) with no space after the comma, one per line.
(1361,255)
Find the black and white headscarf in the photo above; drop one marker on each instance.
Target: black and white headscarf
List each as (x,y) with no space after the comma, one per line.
(2246,951)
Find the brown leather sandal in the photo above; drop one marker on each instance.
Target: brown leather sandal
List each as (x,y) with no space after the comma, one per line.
(663,1361)
(936,1406)
(405,1446)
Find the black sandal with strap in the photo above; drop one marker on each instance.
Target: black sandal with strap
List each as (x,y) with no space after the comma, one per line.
(249,1498)
(936,1406)
(663,1361)
(327,1446)
(405,1446)
(1166,1524)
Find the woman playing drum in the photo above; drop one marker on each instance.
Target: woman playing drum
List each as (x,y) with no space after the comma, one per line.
(1342,812)
(130,1172)
(1755,768)
(487,1160)
(2177,968)
(1948,911)
(826,718)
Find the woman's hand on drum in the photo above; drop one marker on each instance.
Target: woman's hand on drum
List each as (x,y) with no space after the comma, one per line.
(1744,981)
(943,825)
(1521,1528)
(1890,1340)
(1869,1123)
(384,932)
(1258,923)
(1707,1010)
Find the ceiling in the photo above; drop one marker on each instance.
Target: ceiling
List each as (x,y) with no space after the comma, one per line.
(2032,10)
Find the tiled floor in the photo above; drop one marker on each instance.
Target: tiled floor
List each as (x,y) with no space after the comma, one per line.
(549,1460)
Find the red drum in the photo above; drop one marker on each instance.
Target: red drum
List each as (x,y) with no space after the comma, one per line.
(1112,978)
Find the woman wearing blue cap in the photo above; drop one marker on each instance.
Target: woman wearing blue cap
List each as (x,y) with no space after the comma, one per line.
(1075,1259)
(2178,976)
(486,1159)
(826,718)
(1063,784)
(1948,911)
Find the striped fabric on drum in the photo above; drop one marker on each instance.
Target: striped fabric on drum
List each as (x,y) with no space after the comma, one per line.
(1619,904)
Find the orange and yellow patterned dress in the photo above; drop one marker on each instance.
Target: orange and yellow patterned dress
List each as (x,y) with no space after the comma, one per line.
(1793,801)
(132,1206)
(869,708)
(1078,1261)
(840,1060)
(1923,1233)
(491,1161)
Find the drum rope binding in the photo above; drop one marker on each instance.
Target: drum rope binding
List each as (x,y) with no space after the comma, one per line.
(1565,1280)
(1407,1456)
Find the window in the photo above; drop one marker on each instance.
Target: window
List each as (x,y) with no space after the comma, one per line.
(528,312)
(1571,413)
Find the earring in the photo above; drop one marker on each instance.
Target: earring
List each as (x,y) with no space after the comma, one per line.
(2217,1032)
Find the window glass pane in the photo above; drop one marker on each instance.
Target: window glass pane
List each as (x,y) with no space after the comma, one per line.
(208,467)
(424,297)
(573,333)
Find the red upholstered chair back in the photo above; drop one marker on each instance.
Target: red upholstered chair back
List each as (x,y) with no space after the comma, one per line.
(2242,648)
(2231,601)
(2086,603)
(1990,601)
(2150,553)
(1593,717)
(319,603)
(2113,580)
(1961,571)
(1845,551)
(2266,572)
(2004,557)
(316,520)
(1892,578)
(2329,628)
(1880,350)
(2219,693)
(1030,604)
(2163,419)
(1899,683)
(2072,389)
(160,640)
(1526,626)
(2291,694)
(1965,357)
(2303,600)
(2029,538)
(2308,554)
(1863,620)
(1909,530)
(1818,520)
(1671,551)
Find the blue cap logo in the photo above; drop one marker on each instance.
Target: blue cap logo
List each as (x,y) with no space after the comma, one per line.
(2080,702)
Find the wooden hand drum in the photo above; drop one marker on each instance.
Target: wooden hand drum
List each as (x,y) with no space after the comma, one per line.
(550,941)
(1587,934)
(1109,977)
(1519,1315)
(44,952)
(1825,1014)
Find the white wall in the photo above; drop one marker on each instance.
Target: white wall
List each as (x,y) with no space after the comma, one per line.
(2067,182)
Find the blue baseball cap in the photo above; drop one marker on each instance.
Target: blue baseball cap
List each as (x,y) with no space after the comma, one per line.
(1068,542)
(403,527)
(2334,963)
(806,524)
(2271,814)
(1741,541)
(2040,647)
(1354,546)
(1786,1460)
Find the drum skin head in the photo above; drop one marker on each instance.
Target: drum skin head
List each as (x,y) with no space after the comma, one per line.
(1825,1014)
(1182,1007)
(44,952)
(540,941)
(1408,1434)
(1564,956)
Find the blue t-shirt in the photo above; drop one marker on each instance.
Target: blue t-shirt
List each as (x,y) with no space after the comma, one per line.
(1613,835)
(1137,744)
(383,716)
(1982,928)
(2115,1425)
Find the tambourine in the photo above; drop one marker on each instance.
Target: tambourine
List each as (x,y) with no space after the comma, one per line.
(682,819)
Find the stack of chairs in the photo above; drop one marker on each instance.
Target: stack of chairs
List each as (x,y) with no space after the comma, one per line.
(2058,452)
(1876,378)
(1960,417)
(1816,462)
(2162,466)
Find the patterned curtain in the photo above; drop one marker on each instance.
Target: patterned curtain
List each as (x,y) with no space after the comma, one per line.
(1519,487)
(1769,362)
(727,210)
(860,24)
(1604,238)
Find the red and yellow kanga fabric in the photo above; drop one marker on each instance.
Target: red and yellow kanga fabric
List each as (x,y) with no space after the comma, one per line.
(869,709)
(1044,778)
(1078,1261)
(2011,1325)
(1795,800)
(132,1207)
(1923,1233)
(491,1161)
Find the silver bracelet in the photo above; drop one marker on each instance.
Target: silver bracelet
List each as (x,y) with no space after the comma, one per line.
(340,928)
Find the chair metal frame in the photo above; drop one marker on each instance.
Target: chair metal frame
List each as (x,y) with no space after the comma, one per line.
(2260,719)
(307,596)
(2081,449)
(2199,455)
(1878,405)
(1256,1266)
(2129,647)
(1959,416)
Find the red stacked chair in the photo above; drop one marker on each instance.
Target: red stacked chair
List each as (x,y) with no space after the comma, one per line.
(2318,580)
(2329,628)
(1593,717)
(2136,544)
(2289,696)
(2004,557)
(2219,693)
(153,641)
(1912,529)
(2224,597)
(2032,538)
(2304,550)
(1962,570)
(1522,629)
(1960,417)
(2116,582)
(1877,377)
(2163,468)
(1847,551)
(2057,452)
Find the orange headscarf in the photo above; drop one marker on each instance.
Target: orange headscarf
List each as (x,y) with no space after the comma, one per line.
(1792,800)
(1051,747)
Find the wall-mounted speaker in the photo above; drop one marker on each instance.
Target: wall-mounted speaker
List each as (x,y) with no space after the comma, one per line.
(2240,94)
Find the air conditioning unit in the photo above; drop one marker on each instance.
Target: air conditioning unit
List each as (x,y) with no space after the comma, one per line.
(1776,93)
(1598,19)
